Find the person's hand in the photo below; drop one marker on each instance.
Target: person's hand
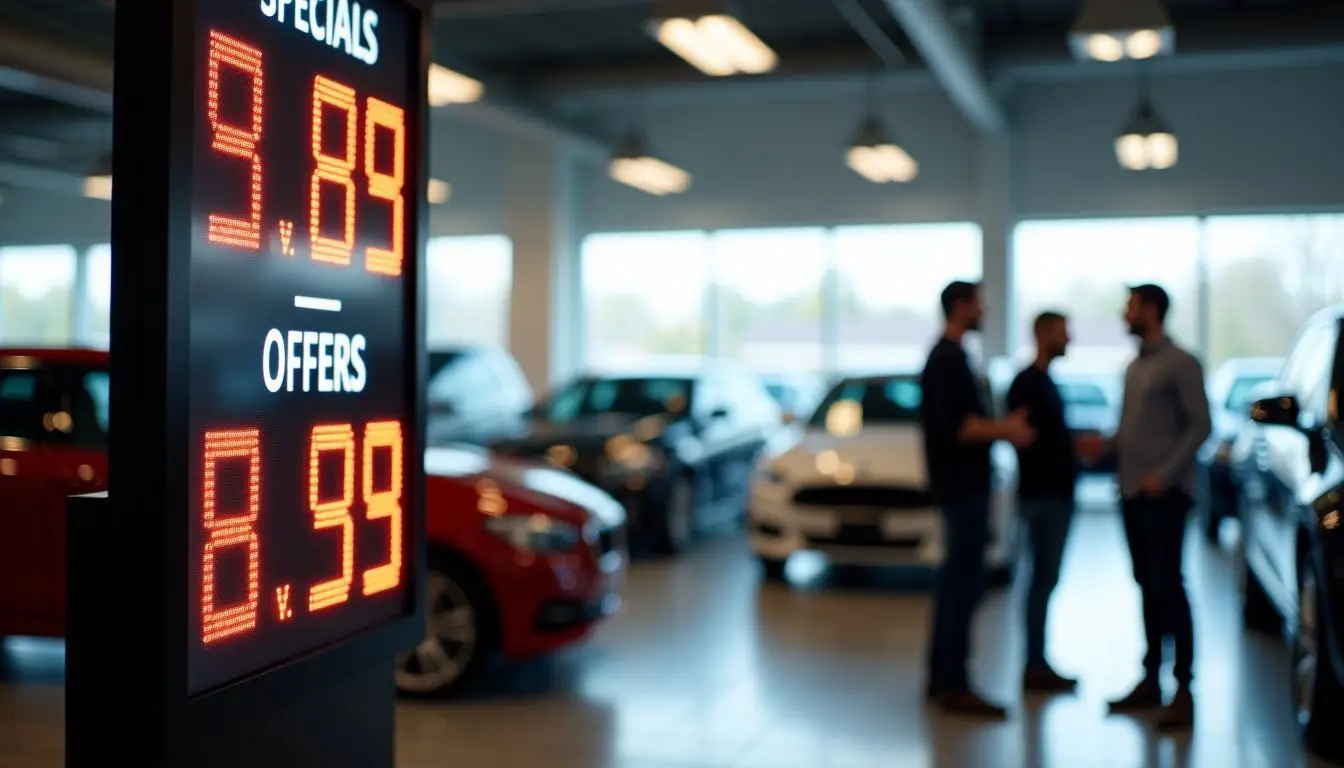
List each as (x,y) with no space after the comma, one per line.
(1152,485)
(1017,430)
(1090,447)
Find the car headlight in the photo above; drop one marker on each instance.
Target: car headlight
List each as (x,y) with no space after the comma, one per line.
(535,534)
(625,454)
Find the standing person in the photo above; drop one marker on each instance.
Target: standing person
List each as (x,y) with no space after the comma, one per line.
(1163,421)
(957,435)
(1047,476)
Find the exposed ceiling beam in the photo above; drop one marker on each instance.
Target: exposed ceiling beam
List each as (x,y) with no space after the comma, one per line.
(25,176)
(936,37)
(871,32)
(55,71)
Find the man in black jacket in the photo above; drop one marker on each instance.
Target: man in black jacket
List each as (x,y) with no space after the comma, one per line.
(1047,475)
(958,432)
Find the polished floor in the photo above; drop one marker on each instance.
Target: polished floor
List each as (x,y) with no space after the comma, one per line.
(708,668)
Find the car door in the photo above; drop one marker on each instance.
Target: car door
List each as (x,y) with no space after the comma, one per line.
(1284,463)
(1314,395)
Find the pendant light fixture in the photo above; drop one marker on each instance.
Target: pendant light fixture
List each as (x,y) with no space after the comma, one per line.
(873,154)
(634,166)
(1111,30)
(1146,142)
(710,38)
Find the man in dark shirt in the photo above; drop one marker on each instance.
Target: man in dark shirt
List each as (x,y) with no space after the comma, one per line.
(957,435)
(1047,475)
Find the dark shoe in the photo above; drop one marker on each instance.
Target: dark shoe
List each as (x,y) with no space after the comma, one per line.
(1146,695)
(1179,715)
(1047,680)
(970,704)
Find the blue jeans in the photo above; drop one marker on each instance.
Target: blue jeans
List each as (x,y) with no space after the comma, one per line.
(1048,521)
(957,590)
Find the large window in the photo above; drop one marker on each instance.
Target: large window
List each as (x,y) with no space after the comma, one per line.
(1083,268)
(98,294)
(469,284)
(888,279)
(36,295)
(1267,275)
(768,297)
(644,296)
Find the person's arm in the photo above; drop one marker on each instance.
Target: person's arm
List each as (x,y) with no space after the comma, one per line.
(1193,401)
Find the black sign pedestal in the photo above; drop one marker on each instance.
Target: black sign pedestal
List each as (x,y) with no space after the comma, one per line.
(113,710)
(237,597)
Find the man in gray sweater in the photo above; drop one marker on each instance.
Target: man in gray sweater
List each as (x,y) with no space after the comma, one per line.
(1164,420)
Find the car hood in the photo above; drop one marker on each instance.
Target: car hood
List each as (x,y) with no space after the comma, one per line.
(554,491)
(886,455)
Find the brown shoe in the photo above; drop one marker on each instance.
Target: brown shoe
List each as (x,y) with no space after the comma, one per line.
(1179,714)
(1047,680)
(1146,695)
(970,704)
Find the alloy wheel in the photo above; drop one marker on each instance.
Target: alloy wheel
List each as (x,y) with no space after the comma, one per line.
(450,642)
(1307,653)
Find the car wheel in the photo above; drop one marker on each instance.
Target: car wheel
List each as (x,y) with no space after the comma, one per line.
(1257,610)
(772,569)
(678,523)
(1317,693)
(459,634)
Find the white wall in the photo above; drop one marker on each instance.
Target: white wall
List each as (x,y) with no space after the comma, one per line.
(1249,141)
(779,160)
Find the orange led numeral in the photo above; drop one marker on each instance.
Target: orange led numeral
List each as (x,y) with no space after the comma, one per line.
(234,140)
(237,530)
(385,186)
(333,513)
(333,170)
(385,503)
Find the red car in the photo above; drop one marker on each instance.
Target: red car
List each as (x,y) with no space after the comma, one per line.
(523,558)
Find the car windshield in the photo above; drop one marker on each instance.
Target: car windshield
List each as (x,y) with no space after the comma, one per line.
(856,403)
(1082,393)
(1239,397)
(55,405)
(627,396)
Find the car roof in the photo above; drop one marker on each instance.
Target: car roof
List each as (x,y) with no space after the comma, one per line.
(71,355)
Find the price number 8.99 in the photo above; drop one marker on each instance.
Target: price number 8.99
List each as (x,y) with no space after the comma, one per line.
(241,528)
(329,169)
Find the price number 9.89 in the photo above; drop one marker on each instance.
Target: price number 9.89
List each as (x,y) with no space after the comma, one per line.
(329,169)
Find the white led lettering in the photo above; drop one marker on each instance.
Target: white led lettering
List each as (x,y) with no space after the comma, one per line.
(340,24)
(336,360)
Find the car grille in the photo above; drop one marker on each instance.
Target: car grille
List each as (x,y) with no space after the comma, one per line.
(886,497)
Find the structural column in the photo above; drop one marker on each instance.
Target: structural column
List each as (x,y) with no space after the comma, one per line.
(995,215)
(544,321)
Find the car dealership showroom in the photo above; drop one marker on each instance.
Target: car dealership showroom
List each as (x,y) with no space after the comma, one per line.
(671,383)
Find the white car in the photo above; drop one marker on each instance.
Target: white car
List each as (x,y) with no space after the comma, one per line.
(854,488)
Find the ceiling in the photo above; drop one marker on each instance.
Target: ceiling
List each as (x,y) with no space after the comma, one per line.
(539,57)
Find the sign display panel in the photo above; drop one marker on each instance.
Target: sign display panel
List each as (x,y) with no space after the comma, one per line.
(305,186)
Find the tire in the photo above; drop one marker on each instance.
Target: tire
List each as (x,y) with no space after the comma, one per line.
(1318,695)
(772,569)
(461,633)
(676,531)
(1258,612)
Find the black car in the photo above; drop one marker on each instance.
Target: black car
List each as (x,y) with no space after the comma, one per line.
(677,449)
(1232,388)
(1292,499)
(475,395)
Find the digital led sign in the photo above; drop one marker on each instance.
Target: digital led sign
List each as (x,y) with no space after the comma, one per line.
(304,187)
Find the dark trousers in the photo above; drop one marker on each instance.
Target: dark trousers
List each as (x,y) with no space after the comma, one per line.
(957,590)
(1155,529)
(1048,520)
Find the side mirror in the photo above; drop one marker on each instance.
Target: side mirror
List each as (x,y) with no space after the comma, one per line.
(1276,411)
